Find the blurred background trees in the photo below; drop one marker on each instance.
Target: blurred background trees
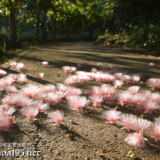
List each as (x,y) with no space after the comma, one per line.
(131,23)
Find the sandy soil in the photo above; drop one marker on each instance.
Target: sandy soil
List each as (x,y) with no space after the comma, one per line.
(82,136)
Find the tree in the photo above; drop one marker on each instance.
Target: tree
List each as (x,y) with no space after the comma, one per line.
(11,8)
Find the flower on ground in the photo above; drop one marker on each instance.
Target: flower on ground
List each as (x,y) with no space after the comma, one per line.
(77,102)
(112,115)
(55,116)
(45,63)
(135,139)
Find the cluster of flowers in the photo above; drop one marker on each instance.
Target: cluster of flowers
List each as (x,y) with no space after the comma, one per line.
(6,82)
(102,93)
(19,66)
(138,125)
(143,101)
(117,79)
(69,69)
(32,99)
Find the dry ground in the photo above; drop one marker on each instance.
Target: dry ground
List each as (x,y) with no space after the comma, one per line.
(90,134)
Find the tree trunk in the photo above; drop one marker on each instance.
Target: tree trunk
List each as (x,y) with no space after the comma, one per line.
(54,24)
(13,29)
(43,27)
(91,33)
(37,26)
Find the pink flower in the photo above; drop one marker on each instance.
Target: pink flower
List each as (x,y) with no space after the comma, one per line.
(2,72)
(106,90)
(45,63)
(9,100)
(83,76)
(20,66)
(74,77)
(22,78)
(126,79)
(118,83)
(133,101)
(60,95)
(156,133)
(92,76)
(112,115)
(100,76)
(118,75)
(73,91)
(94,91)
(140,99)
(30,91)
(127,121)
(96,100)
(134,89)
(141,125)
(7,110)
(69,81)
(136,78)
(11,89)
(41,106)
(99,64)
(140,106)
(104,78)
(151,64)
(135,139)
(110,98)
(123,97)
(110,66)
(154,97)
(62,87)
(66,68)
(110,90)
(55,116)
(30,112)
(52,98)
(7,81)
(24,102)
(152,83)
(157,121)
(40,75)
(93,70)
(48,88)
(77,102)
(73,69)
(5,121)
(41,97)
(13,64)
(150,106)
(103,90)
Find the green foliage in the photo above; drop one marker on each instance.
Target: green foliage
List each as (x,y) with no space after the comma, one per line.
(128,23)
(132,24)
(141,38)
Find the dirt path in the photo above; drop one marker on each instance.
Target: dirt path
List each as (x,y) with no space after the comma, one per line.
(91,134)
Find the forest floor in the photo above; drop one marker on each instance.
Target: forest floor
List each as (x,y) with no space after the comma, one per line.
(90,134)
